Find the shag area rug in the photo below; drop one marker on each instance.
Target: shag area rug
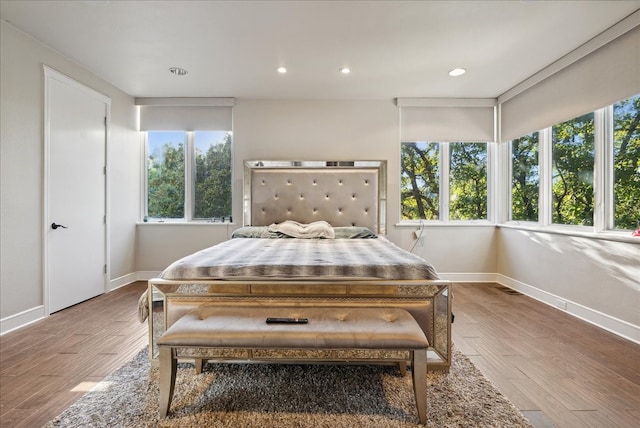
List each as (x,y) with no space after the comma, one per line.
(273,395)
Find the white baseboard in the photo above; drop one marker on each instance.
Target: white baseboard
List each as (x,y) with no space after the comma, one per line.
(132,277)
(607,322)
(146,275)
(469,277)
(21,319)
(122,281)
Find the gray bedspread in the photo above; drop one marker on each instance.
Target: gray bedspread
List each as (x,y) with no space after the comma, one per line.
(271,259)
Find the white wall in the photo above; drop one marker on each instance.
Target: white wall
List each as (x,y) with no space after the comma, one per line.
(21,185)
(161,244)
(598,280)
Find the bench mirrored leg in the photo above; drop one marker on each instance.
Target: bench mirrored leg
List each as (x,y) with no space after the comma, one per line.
(419,372)
(402,365)
(167,381)
(199,362)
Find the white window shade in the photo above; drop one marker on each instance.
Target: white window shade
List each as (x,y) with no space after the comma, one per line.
(165,114)
(447,123)
(601,78)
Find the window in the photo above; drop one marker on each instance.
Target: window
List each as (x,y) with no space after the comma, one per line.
(572,195)
(212,174)
(165,174)
(626,163)
(420,181)
(572,171)
(468,181)
(525,178)
(464,195)
(189,175)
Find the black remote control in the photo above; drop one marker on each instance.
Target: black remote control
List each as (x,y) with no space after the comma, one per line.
(287,320)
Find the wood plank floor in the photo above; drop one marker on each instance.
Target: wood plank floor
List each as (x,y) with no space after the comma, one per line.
(558,370)
(48,365)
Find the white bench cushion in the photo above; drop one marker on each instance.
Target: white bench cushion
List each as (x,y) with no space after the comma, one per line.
(328,327)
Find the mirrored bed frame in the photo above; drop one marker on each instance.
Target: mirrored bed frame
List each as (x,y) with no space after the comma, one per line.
(351,193)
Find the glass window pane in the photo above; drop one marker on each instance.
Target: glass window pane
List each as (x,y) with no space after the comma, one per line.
(525,178)
(626,163)
(468,181)
(420,181)
(165,174)
(212,174)
(572,171)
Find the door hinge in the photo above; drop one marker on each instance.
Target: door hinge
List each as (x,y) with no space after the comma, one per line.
(105,121)
(105,268)
(104,170)
(104,219)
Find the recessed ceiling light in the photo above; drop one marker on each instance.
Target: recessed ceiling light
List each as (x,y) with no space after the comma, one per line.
(178,71)
(457,72)
(282,70)
(345,70)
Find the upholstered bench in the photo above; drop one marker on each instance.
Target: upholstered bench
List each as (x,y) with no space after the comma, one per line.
(330,328)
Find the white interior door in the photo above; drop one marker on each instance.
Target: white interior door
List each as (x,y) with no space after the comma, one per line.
(75,258)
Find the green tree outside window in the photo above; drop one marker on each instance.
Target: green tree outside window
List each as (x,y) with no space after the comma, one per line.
(420,181)
(572,171)
(525,178)
(213,174)
(165,174)
(468,181)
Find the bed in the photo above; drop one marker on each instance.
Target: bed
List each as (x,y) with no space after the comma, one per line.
(313,235)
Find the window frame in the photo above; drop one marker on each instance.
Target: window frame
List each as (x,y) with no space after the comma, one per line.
(604,201)
(189,181)
(444,164)
(499,168)
(509,180)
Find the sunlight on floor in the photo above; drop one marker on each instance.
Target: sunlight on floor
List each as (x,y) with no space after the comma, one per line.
(91,386)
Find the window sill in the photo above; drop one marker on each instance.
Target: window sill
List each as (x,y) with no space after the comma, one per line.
(183,223)
(436,223)
(574,231)
(622,236)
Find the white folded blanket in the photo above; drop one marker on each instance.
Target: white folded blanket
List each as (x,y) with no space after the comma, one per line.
(317,229)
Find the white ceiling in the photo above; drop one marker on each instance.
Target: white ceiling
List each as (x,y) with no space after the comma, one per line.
(395,48)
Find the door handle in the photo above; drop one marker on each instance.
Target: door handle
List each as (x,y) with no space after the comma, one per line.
(54,226)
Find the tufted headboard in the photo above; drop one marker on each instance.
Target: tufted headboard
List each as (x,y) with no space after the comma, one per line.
(349,193)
